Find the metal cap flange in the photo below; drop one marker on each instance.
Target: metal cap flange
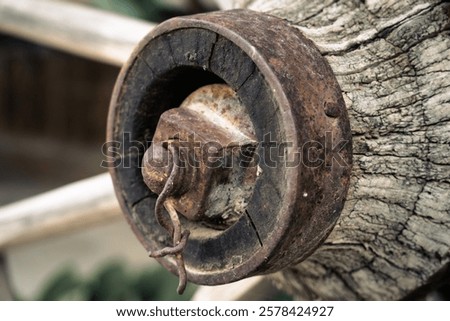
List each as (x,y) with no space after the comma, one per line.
(301,129)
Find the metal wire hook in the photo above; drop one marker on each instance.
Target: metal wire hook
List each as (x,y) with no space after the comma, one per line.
(172,223)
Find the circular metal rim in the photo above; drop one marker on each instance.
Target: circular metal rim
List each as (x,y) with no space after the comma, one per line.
(291,133)
(211,277)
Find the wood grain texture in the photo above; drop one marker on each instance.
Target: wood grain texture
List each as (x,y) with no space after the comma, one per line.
(391,59)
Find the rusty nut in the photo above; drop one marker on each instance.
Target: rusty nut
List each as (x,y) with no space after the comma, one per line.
(216,148)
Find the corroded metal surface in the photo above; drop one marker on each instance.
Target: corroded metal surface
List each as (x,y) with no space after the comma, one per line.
(201,164)
(216,143)
(301,130)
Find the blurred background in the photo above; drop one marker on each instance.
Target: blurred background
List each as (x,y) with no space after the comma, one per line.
(53,110)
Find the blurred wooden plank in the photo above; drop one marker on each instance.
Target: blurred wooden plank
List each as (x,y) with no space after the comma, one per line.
(251,289)
(75,28)
(73,206)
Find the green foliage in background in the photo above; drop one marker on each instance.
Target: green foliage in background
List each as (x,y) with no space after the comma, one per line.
(114,282)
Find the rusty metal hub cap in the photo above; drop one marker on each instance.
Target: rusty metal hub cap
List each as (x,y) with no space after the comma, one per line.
(215,141)
(233,145)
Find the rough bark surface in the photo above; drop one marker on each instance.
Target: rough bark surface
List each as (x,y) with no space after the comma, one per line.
(392,61)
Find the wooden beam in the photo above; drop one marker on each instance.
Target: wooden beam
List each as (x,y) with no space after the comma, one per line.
(76,205)
(391,61)
(74,28)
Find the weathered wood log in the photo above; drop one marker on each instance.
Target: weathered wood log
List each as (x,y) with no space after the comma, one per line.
(391,59)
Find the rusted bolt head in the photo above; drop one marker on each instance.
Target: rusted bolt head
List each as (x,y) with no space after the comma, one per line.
(216,142)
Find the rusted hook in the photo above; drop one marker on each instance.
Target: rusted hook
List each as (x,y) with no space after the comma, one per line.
(172,225)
